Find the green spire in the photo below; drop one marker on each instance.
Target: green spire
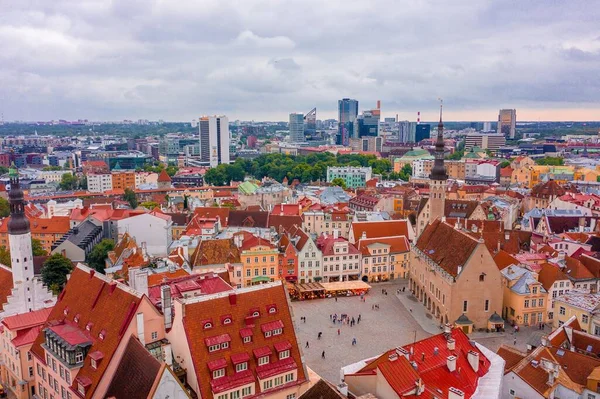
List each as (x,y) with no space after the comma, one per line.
(12,171)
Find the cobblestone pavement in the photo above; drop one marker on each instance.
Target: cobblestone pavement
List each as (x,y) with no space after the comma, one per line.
(378,331)
(399,321)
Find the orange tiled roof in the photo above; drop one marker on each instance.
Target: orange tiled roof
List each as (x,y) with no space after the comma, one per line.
(388,228)
(108,305)
(163,177)
(239,307)
(512,356)
(446,246)
(215,252)
(6,283)
(53,225)
(398,244)
(154,279)
(549,274)
(503,259)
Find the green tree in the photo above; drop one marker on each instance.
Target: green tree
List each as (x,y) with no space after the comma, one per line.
(68,182)
(83,183)
(3,170)
(5,256)
(130,197)
(456,155)
(149,204)
(552,161)
(48,168)
(406,172)
(171,170)
(54,272)
(36,247)
(96,259)
(338,181)
(4,207)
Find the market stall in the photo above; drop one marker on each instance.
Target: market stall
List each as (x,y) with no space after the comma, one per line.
(346,288)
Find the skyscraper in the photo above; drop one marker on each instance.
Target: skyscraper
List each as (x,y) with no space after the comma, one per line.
(347,114)
(310,122)
(507,122)
(214,140)
(296,127)
(367,124)
(422,131)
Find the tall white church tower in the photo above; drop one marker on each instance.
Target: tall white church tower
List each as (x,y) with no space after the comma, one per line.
(28,293)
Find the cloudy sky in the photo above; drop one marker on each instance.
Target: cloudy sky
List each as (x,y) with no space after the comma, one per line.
(262,59)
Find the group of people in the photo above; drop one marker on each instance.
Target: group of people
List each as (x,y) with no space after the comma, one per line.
(344,319)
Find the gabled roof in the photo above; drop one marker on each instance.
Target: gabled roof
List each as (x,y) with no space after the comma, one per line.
(459,208)
(326,244)
(157,278)
(163,177)
(322,390)
(550,273)
(398,244)
(53,225)
(549,189)
(107,306)
(26,320)
(446,246)
(385,228)
(6,284)
(512,356)
(215,252)
(136,372)
(284,221)
(201,284)
(431,368)
(239,307)
(213,212)
(248,218)
(503,259)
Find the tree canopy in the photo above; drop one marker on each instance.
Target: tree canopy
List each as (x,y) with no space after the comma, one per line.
(130,197)
(338,181)
(36,247)
(305,168)
(55,271)
(96,259)
(552,161)
(68,182)
(4,207)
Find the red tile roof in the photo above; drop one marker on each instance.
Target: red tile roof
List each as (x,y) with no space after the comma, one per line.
(550,273)
(430,357)
(108,306)
(163,177)
(154,279)
(387,228)
(503,259)
(512,356)
(26,320)
(26,336)
(245,302)
(6,283)
(215,252)
(397,244)
(446,246)
(205,284)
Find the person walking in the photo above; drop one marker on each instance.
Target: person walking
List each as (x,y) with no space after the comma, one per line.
(353,341)
(338,331)
(306,344)
(323,355)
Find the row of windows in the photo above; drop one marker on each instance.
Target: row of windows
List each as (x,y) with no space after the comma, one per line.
(256,272)
(338,258)
(533,303)
(264,259)
(337,267)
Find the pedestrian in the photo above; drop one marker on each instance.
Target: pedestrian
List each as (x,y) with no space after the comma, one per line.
(336,298)
(353,341)
(323,355)
(515,341)
(372,307)
(330,317)
(319,336)
(338,331)
(306,344)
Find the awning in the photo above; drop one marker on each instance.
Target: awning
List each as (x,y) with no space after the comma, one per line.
(309,287)
(261,279)
(346,285)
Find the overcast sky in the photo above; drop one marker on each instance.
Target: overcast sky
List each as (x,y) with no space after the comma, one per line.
(262,59)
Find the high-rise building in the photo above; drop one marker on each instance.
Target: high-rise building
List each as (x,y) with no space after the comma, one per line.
(487,126)
(507,122)
(310,122)
(422,131)
(347,114)
(367,124)
(404,131)
(484,141)
(296,127)
(214,140)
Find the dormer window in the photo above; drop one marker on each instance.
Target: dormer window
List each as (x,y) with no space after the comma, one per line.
(256,314)
(66,311)
(278,331)
(272,309)
(263,360)
(284,354)
(95,359)
(248,339)
(76,318)
(227,320)
(219,373)
(241,367)
(89,326)
(208,325)
(94,364)
(102,335)
(267,334)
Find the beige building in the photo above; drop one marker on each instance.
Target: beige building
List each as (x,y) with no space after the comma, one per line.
(525,299)
(455,277)
(582,305)
(384,258)
(327,221)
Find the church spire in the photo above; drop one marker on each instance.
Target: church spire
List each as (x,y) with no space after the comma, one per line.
(18,223)
(438,172)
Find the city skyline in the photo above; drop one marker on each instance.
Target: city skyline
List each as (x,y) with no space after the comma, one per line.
(255,61)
